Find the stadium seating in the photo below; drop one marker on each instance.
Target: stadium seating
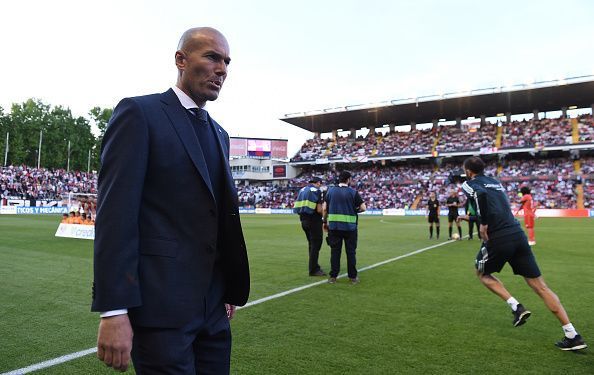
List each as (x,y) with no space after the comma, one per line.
(553,180)
(456,139)
(31,183)
(398,186)
(586,129)
(519,134)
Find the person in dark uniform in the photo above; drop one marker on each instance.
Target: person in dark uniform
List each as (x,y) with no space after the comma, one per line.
(504,242)
(433,216)
(309,207)
(453,202)
(471,217)
(341,207)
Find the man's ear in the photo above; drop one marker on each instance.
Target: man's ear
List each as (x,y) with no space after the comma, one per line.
(180,60)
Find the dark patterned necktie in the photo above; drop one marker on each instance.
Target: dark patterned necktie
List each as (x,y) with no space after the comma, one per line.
(199,113)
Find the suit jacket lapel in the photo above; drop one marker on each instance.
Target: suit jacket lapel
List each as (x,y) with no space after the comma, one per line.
(183,127)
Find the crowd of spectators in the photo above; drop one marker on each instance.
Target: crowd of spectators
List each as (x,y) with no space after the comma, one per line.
(537,133)
(406,186)
(22,182)
(27,183)
(588,166)
(537,167)
(588,183)
(373,145)
(390,186)
(453,138)
(546,194)
(519,134)
(405,143)
(266,195)
(586,129)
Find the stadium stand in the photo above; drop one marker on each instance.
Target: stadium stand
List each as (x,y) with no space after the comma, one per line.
(392,144)
(388,184)
(454,138)
(399,186)
(31,183)
(391,186)
(537,167)
(537,133)
(586,129)
(517,134)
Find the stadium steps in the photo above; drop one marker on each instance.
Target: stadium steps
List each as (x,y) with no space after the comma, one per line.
(577,166)
(435,143)
(579,188)
(498,137)
(575,132)
(415,203)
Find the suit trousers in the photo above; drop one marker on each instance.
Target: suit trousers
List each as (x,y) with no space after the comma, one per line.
(203,346)
(335,239)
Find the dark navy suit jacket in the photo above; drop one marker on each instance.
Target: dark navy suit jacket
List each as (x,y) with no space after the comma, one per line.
(158,229)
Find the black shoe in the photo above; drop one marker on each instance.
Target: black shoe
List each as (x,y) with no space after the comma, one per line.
(469,238)
(575,343)
(354,280)
(520,315)
(332,280)
(318,273)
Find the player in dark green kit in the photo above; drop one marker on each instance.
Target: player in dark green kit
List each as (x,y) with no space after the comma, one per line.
(433,214)
(504,241)
(453,202)
(470,216)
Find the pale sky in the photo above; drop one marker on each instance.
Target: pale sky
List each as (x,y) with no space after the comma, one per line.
(288,56)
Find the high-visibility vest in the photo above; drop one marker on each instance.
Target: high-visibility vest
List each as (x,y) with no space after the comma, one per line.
(307,200)
(342,208)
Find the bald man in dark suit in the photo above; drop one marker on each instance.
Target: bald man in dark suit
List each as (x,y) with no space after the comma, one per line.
(170,259)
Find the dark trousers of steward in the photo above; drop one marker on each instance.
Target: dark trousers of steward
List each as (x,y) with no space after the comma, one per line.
(335,239)
(312,226)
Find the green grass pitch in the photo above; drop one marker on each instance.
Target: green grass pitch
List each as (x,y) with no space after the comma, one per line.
(423,314)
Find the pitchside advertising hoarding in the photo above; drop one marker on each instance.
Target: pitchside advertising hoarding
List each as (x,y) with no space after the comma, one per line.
(41,210)
(258,147)
(32,207)
(83,232)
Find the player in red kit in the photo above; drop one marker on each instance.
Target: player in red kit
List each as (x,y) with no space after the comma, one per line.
(526,204)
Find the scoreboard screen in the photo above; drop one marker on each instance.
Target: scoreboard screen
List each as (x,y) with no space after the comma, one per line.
(258,147)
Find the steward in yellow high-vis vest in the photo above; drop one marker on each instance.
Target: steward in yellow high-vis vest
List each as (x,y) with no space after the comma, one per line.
(341,208)
(309,207)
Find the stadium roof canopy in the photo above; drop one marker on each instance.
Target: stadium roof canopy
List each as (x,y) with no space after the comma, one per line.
(518,99)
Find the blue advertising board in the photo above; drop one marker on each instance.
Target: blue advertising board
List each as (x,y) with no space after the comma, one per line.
(20,210)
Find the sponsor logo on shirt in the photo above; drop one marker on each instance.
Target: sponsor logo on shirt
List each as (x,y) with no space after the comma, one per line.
(494,186)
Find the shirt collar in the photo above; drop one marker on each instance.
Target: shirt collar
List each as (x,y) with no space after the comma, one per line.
(343,185)
(184,99)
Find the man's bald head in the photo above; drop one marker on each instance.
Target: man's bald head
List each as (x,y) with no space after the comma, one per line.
(191,38)
(202,58)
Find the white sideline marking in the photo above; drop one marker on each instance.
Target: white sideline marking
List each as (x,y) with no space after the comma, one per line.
(51,362)
(70,357)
